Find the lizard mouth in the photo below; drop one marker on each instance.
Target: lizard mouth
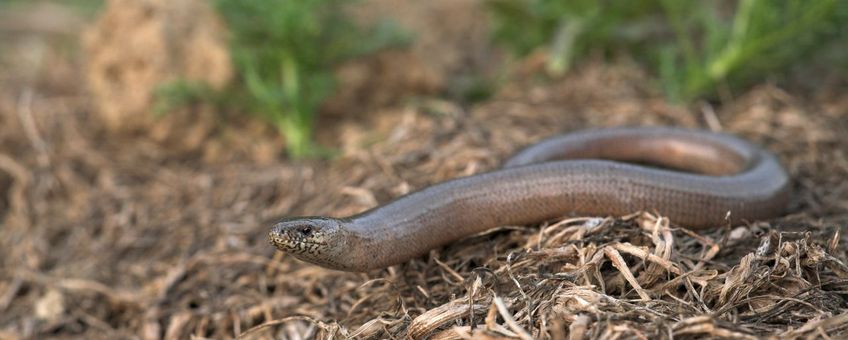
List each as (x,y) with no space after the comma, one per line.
(287,243)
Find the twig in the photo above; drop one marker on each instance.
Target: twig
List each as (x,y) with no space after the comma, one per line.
(510,321)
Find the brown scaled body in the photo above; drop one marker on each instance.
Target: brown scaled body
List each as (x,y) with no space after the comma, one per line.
(590,172)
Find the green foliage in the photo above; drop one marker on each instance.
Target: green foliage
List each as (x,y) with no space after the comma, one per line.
(689,42)
(284,52)
(569,28)
(763,36)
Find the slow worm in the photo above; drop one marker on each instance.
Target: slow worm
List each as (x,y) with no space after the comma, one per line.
(695,178)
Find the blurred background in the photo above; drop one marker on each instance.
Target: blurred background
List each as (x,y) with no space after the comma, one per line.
(146,145)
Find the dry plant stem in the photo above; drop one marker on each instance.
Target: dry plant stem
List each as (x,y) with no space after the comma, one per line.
(514,326)
(439,316)
(617,261)
(578,328)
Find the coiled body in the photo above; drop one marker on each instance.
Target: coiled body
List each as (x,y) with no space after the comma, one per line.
(591,172)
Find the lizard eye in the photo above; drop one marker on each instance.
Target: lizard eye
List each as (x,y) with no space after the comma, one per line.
(305,231)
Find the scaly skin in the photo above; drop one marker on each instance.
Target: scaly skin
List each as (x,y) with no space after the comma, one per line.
(718,174)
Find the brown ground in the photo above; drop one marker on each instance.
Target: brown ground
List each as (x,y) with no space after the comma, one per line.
(110,235)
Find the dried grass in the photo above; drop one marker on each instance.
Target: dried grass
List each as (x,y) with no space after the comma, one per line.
(107,236)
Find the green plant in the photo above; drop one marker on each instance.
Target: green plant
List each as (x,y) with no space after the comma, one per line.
(570,29)
(690,43)
(762,36)
(284,52)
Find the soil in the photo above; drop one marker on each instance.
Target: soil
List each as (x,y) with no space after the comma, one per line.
(121,234)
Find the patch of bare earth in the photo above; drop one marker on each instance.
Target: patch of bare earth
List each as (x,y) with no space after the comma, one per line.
(107,236)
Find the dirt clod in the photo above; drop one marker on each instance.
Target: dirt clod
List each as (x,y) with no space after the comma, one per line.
(137,46)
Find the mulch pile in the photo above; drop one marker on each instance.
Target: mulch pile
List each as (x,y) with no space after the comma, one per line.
(107,236)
